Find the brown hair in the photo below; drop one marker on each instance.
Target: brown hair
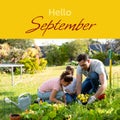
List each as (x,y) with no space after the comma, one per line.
(70,68)
(66,76)
(82,57)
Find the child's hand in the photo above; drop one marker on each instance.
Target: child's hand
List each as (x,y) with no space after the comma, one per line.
(68,91)
(74,92)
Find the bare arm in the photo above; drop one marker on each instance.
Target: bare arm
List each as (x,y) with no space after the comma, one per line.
(53,98)
(78,84)
(103,86)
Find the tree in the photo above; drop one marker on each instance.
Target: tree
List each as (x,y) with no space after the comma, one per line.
(58,55)
(74,48)
(54,55)
(101,50)
(18,43)
(116,46)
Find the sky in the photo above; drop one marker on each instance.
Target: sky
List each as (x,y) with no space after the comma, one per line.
(45,42)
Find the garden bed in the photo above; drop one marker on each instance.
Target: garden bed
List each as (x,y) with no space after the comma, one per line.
(106,109)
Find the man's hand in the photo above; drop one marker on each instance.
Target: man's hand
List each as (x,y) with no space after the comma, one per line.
(91,99)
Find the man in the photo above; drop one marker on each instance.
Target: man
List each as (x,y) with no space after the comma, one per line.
(96,77)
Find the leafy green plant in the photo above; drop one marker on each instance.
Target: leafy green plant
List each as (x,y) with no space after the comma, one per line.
(32,65)
(100,56)
(59,55)
(43,63)
(106,109)
(46,111)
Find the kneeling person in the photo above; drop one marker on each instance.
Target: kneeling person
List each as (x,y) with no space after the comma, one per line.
(52,90)
(69,90)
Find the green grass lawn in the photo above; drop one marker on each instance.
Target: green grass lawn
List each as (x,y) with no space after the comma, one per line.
(30,83)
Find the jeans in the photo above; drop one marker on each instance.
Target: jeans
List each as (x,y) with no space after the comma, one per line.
(70,98)
(45,96)
(91,84)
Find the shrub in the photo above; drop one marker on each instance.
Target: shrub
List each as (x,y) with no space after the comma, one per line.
(103,56)
(59,55)
(43,63)
(31,65)
(55,56)
(8,55)
(28,64)
(116,58)
(100,56)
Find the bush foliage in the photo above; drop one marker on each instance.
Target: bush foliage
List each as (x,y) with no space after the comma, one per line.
(59,55)
(106,109)
(103,56)
(32,65)
(30,57)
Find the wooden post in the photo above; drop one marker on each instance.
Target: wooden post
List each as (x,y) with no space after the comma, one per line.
(110,67)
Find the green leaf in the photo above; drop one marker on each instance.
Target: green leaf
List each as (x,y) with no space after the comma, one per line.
(45,118)
(52,114)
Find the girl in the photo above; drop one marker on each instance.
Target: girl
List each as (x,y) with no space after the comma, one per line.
(70,89)
(51,90)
